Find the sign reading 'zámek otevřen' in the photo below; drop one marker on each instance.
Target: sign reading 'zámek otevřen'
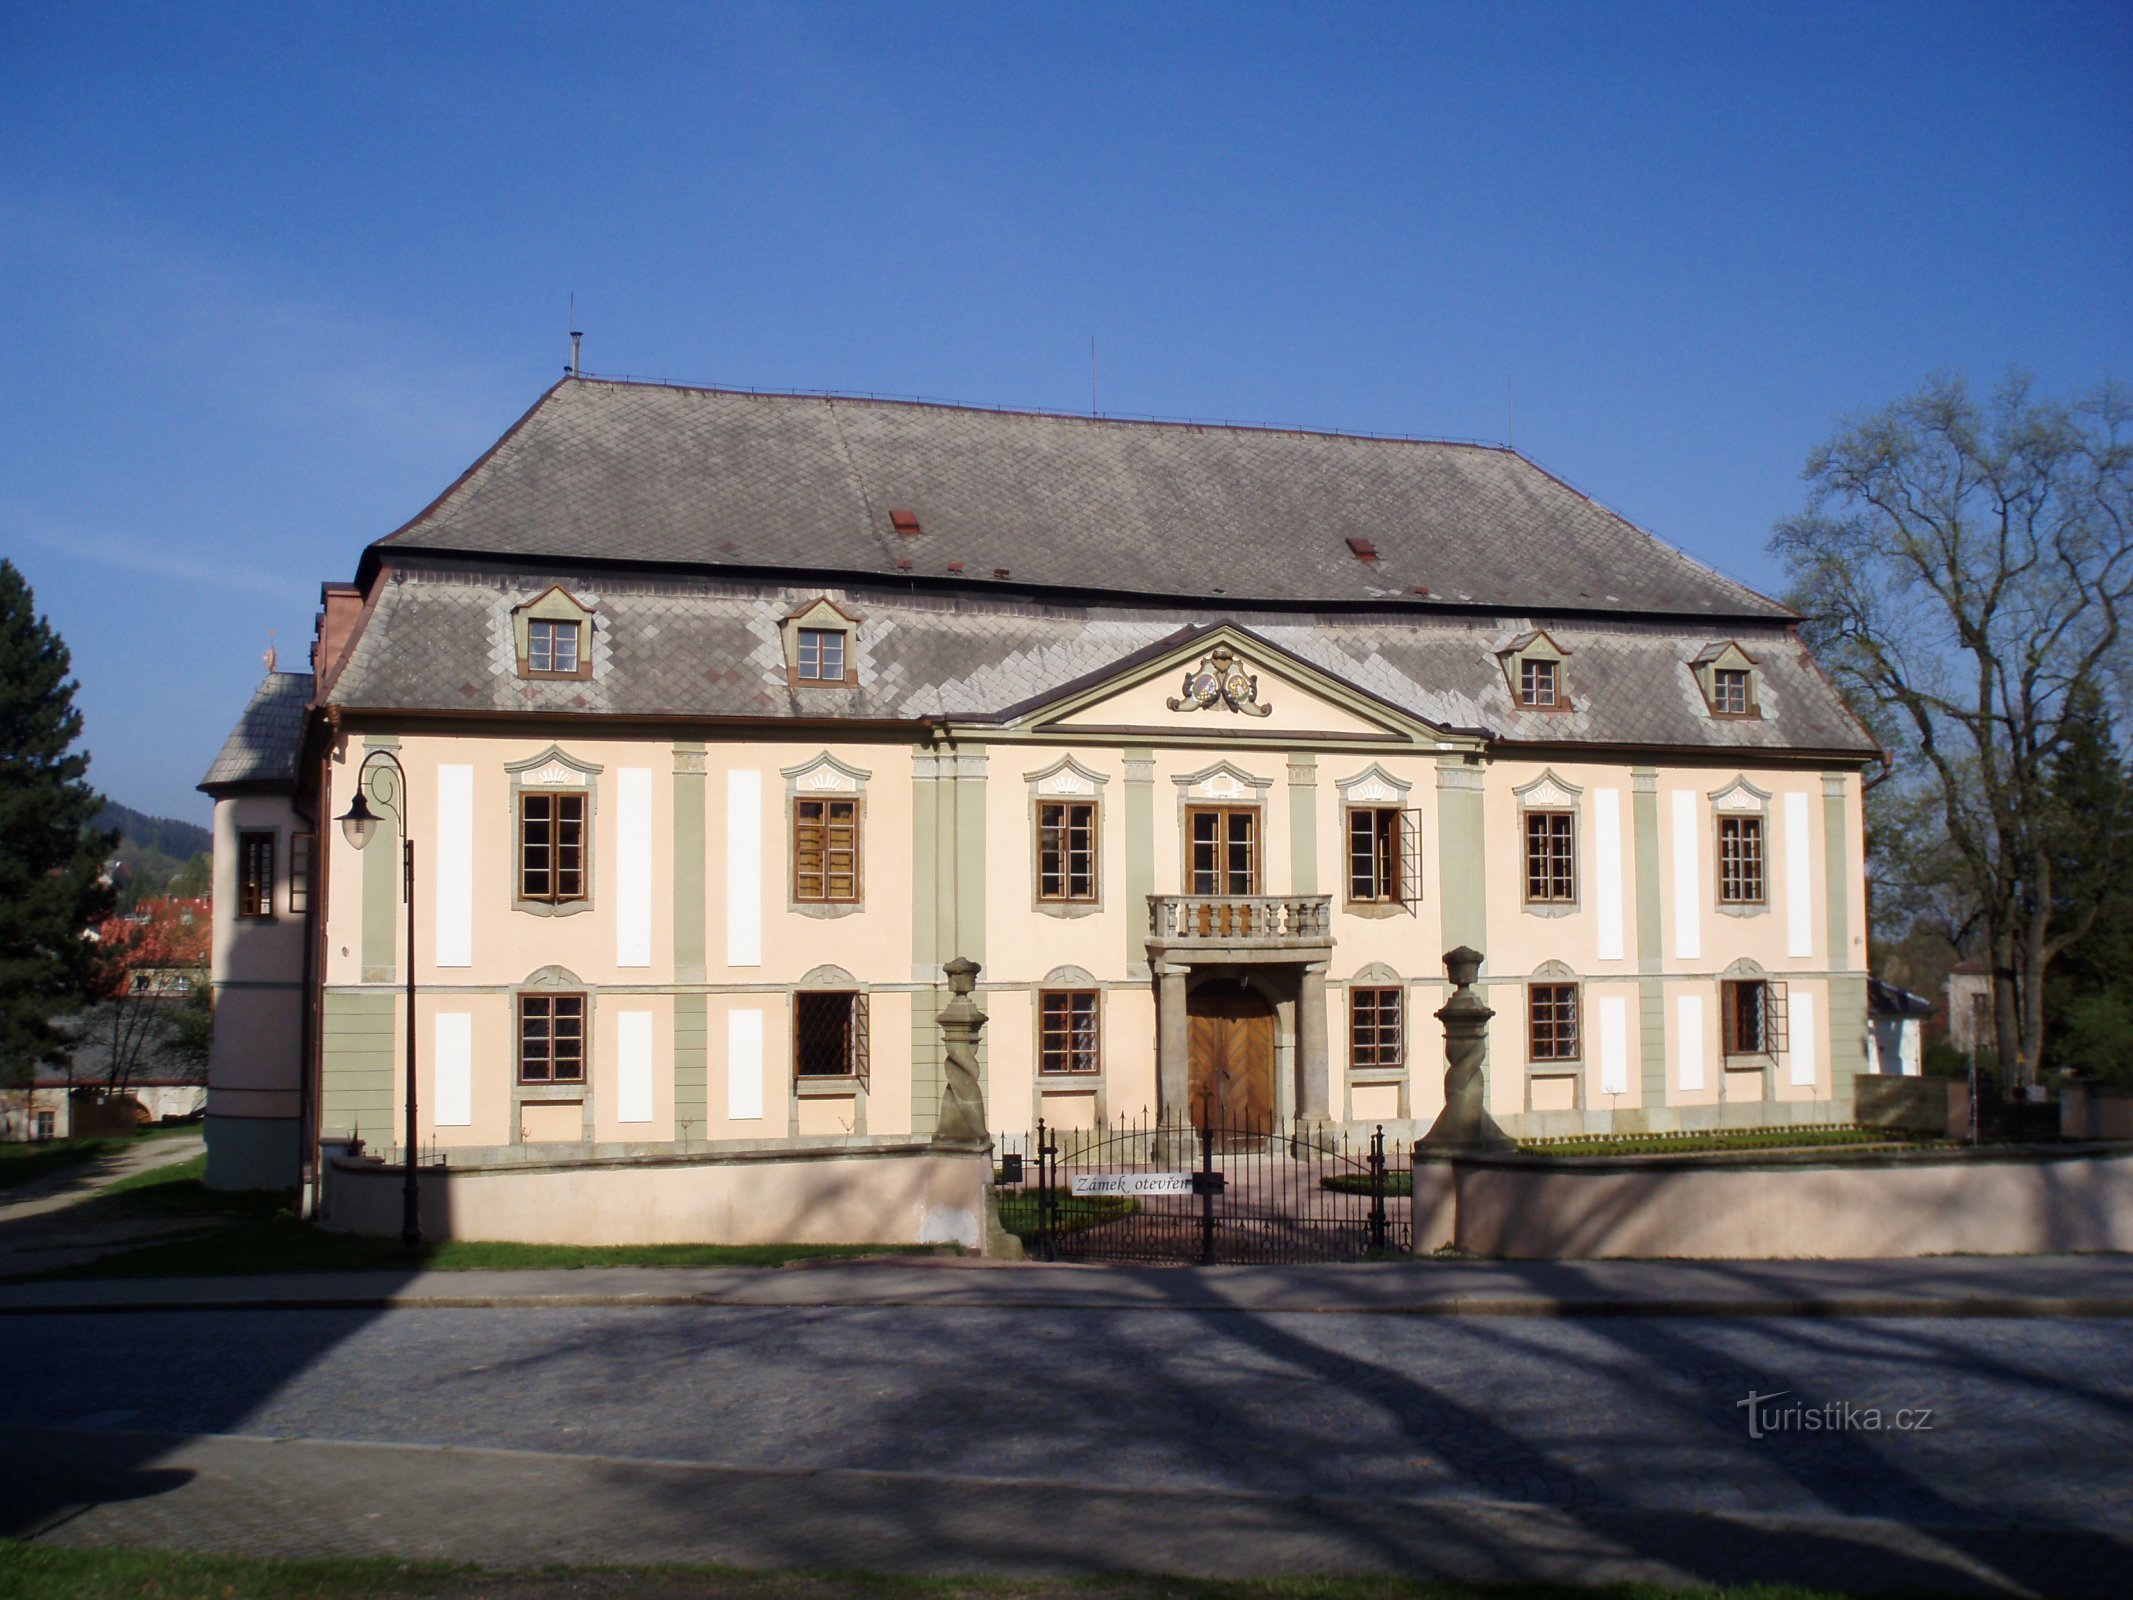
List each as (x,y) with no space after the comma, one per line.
(1132,1183)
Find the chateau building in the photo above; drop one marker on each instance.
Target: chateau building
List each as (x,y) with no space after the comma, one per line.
(719,722)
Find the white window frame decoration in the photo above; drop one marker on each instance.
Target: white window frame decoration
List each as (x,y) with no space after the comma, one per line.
(824,777)
(554,770)
(1740,798)
(1065,782)
(1551,792)
(1375,789)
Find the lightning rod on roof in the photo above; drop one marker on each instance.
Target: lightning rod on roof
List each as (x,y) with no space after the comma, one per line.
(577,339)
(1092,374)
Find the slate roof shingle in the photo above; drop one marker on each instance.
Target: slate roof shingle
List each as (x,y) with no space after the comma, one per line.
(441,641)
(264,745)
(705,478)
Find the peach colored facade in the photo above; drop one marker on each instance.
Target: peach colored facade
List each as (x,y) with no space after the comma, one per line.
(710,762)
(690,944)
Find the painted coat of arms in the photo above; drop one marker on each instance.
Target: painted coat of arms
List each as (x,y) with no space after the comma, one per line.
(1219,679)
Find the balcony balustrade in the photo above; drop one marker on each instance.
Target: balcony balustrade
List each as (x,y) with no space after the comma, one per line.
(1241,921)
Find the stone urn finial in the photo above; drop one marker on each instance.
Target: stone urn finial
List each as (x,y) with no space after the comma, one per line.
(961,1122)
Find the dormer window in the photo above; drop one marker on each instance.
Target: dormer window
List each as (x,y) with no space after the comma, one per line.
(819,646)
(1726,674)
(553,633)
(552,647)
(821,655)
(1537,683)
(1533,665)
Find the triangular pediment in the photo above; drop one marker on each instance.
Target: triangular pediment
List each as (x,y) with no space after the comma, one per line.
(1224,683)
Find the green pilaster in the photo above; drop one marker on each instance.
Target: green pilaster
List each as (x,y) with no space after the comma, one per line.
(1140,855)
(1462,852)
(1651,1042)
(359,1035)
(381,872)
(925,866)
(970,854)
(928,874)
(1303,824)
(1651,992)
(1837,871)
(691,1055)
(689,864)
(925,1060)
(1644,816)
(1847,1041)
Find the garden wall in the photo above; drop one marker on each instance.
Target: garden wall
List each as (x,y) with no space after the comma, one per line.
(897,1194)
(1984,1202)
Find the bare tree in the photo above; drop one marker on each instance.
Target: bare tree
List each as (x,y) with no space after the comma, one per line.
(1965,566)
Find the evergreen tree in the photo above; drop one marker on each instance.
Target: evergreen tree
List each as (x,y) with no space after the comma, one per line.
(2089,995)
(50,860)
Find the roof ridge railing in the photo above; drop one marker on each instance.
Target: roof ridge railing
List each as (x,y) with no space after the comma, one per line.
(761,392)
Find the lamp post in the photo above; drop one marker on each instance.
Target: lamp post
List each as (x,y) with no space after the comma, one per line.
(358,823)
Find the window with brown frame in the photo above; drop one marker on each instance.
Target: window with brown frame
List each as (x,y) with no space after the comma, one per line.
(825,851)
(551,846)
(1224,843)
(821,656)
(255,875)
(830,1034)
(1552,1022)
(1384,856)
(1538,683)
(553,649)
(1740,861)
(551,1038)
(1729,692)
(1753,1016)
(1067,1031)
(1551,857)
(300,847)
(1066,850)
(1376,1035)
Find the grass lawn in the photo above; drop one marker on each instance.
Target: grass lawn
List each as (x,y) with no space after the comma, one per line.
(37,1572)
(1071,1214)
(1741,1139)
(26,1163)
(253,1232)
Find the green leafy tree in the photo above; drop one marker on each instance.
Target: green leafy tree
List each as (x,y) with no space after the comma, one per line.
(1967,565)
(50,858)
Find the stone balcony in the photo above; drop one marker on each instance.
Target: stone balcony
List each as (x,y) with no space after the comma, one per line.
(1241,927)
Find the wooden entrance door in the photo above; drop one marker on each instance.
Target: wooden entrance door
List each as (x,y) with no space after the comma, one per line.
(1230,1045)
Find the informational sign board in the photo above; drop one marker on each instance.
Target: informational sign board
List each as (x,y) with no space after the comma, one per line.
(1132,1183)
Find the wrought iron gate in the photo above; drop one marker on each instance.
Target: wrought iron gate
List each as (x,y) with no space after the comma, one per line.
(1211,1192)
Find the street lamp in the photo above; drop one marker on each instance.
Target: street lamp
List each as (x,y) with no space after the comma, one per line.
(358,824)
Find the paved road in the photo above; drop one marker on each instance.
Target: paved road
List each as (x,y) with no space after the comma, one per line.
(2030,1422)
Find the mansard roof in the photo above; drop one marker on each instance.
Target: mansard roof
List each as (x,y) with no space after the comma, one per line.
(263,748)
(439,640)
(1221,516)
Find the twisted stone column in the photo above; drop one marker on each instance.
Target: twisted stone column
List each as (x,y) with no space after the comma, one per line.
(1465,1123)
(961,1123)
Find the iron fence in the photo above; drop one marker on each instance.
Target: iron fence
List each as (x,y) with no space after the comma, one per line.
(1208,1192)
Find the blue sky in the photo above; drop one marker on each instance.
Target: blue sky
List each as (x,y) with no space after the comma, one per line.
(274,275)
